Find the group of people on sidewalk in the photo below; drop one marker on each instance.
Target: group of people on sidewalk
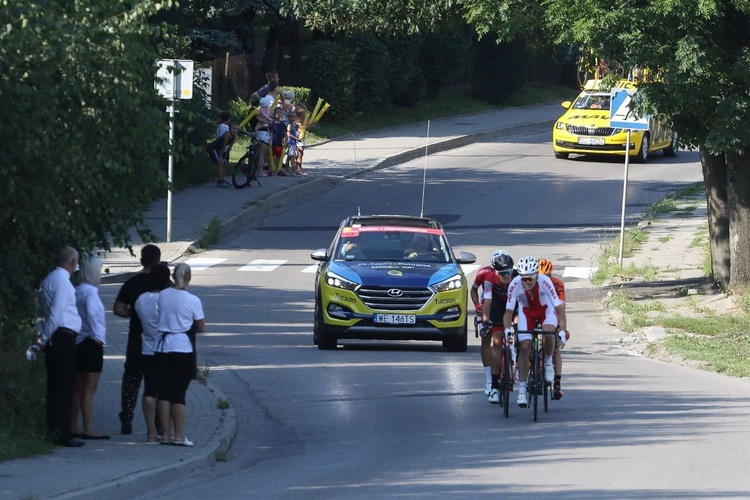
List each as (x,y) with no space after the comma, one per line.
(276,128)
(71,331)
(524,296)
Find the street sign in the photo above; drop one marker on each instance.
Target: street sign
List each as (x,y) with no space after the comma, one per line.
(174,78)
(620,113)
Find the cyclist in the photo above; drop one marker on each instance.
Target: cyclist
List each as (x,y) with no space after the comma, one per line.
(493,280)
(537,302)
(546,267)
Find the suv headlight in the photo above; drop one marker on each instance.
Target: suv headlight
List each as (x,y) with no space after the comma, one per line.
(452,283)
(336,281)
(560,125)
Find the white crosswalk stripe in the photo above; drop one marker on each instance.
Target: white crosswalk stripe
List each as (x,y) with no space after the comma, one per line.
(469,268)
(262,265)
(200,263)
(310,269)
(579,272)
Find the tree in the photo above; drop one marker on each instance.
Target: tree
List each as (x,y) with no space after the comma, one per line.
(84,131)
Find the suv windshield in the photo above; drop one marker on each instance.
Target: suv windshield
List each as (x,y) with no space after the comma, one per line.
(400,244)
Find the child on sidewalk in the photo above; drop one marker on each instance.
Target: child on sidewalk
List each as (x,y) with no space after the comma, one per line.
(277,130)
(292,139)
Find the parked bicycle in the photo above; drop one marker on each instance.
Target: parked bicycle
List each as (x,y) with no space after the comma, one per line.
(536,385)
(244,173)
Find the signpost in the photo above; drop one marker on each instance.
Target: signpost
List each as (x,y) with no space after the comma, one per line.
(174,80)
(622,115)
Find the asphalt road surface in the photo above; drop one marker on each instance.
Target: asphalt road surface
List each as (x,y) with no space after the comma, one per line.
(407,419)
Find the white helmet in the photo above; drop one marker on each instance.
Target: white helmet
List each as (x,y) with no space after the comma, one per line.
(527,266)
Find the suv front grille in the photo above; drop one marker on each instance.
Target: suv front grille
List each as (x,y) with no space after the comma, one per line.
(411,299)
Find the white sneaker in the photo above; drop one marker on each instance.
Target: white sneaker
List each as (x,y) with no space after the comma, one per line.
(494,397)
(522,401)
(487,388)
(549,371)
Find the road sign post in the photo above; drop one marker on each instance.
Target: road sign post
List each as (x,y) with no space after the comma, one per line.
(622,115)
(174,80)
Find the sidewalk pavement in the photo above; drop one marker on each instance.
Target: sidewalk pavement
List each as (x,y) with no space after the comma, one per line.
(125,466)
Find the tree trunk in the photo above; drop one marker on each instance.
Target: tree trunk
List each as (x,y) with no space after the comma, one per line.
(715,180)
(738,205)
(271,53)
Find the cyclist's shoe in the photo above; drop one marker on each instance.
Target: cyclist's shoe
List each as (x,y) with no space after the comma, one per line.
(487,388)
(494,397)
(522,401)
(557,393)
(549,371)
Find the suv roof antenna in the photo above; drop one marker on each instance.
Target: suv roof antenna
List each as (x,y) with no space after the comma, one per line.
(424,173)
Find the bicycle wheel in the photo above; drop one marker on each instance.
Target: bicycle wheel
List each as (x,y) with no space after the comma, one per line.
(536,381)
(240,178)
(507,381)
(546,395)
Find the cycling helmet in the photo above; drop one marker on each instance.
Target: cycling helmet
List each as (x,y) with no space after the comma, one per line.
(527,266)
(545,266)
(501,261)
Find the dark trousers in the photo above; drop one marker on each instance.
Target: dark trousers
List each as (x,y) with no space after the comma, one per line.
(60,361)
(131,384)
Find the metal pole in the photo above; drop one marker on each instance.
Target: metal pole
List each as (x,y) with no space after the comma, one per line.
(624,198)
(171,153)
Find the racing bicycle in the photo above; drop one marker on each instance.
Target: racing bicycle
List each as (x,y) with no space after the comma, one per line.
(245,168)
(506,368)
(536,385)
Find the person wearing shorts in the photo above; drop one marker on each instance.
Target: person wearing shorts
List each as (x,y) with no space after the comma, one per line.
(538,304)
(90,342)
(147,308)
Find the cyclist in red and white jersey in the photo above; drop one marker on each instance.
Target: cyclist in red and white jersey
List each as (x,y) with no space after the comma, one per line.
(537,302)
(493,281)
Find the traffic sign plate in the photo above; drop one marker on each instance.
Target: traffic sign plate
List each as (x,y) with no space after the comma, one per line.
(621,115)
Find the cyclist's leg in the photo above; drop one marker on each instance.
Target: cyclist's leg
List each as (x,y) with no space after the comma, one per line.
(557,359)
(486,352)
(497,309)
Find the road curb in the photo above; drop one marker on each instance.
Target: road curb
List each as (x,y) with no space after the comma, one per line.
(143,481)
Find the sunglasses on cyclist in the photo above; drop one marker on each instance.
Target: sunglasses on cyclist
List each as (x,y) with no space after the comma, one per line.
(505,273)
(529,279)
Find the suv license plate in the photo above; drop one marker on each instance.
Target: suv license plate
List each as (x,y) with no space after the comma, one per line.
(591,141)
(396,319)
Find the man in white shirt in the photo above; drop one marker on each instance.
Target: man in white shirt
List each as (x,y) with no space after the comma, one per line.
(57,327)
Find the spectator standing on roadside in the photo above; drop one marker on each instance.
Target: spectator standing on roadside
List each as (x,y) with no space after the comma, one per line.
(301,112)
(292,140)
(218,150)
(262,132)
(271,76)
(89,348)
(277,129)
(180,315)
(57,327)
(147,307)
(124,307)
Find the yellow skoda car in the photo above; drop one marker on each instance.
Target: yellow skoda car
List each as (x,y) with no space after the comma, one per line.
(584,129)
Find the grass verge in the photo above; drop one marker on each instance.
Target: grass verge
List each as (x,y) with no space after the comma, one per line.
(700,336)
